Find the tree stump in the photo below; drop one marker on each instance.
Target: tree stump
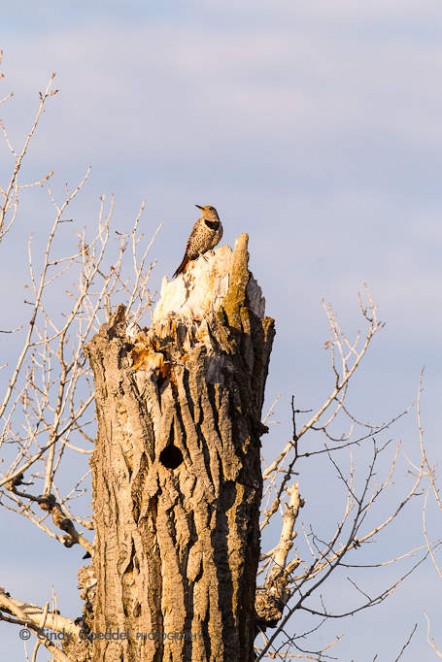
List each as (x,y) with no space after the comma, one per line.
(176,470)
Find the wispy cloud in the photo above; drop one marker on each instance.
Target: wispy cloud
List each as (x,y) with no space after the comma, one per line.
(173,90)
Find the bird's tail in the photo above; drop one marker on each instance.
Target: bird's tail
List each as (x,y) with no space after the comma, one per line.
(182,266)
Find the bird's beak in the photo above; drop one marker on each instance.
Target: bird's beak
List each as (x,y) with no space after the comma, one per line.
(199,206)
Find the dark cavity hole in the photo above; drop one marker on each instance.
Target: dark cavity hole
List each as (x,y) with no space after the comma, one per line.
(171,457)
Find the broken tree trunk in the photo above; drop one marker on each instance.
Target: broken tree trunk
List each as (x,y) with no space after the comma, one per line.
(176,470)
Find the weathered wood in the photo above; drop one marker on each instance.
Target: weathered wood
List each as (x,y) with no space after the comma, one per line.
(176,470)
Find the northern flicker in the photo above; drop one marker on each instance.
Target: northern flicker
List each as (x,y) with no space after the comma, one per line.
(205,235)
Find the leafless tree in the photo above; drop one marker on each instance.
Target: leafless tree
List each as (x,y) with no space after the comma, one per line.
(48,417)
(432,500)
(297,584)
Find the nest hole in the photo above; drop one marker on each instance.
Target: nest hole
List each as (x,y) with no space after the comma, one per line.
(171,457)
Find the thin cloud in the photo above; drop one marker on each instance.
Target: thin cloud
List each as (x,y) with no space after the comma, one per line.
(165,89)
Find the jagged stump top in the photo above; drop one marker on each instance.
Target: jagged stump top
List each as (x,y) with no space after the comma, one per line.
(221,279)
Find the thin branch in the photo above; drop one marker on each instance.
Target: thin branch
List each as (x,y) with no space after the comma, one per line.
(49,92)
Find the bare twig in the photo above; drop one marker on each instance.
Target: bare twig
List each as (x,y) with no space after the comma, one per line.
(35,618)
(10,200)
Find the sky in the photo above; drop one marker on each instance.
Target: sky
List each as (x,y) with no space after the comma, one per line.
(314,126)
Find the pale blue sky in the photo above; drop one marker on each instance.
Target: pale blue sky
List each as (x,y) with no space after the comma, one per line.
(314,126)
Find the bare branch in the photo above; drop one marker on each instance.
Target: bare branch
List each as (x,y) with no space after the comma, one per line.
(430,639)
(343,377)
(10,200)
(35,618)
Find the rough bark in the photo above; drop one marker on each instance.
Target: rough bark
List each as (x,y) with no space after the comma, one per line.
(176,470)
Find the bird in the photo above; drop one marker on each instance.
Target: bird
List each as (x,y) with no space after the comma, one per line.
(205,235)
